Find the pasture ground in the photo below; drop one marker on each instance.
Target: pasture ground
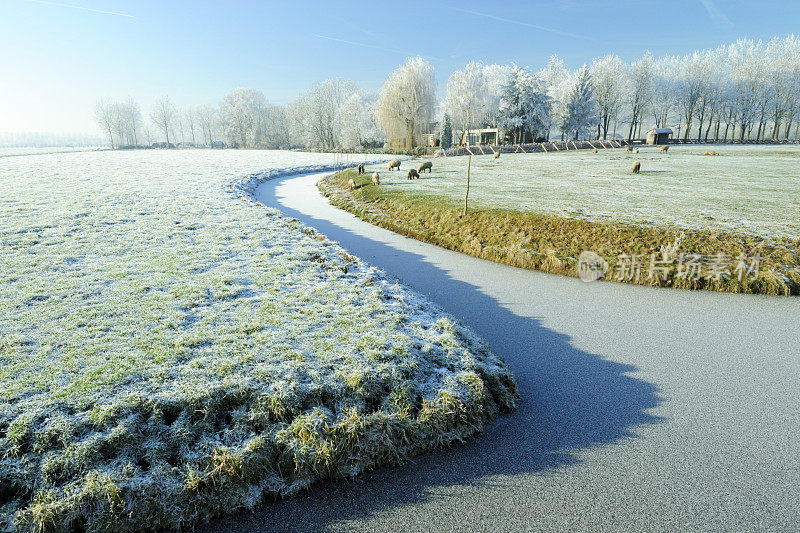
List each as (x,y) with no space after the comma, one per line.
(542,210)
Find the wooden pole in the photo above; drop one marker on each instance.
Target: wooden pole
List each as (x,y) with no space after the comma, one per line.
(466,196)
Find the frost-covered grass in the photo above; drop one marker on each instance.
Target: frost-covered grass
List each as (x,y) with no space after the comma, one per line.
(542,211)
(747,189)
(171,350)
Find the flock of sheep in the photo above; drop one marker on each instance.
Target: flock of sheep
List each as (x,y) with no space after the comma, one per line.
(394,164)
(427,165)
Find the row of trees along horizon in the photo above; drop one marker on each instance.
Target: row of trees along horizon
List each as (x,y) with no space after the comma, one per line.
(747,90)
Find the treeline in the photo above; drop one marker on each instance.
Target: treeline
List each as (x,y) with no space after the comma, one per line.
(748,90)
(48,139)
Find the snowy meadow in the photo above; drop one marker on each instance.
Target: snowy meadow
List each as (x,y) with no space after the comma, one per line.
(747,189)
(171,350)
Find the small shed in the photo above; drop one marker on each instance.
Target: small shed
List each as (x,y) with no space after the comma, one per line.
(483,136)
(429,140)
(659,136)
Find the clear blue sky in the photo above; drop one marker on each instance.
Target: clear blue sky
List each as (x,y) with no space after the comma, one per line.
(57,58)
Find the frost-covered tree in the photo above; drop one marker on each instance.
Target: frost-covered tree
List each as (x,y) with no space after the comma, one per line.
(788,101)
(178,131)
(271,128)
(713,97)
(582,115)
(524,107)
(318,113)
(662,101)
(558,81)
(190,120)
(783,74)
(467,97)
(690,86)
(706,104)
(357,122)
(496,77)
(132,117)
(207,119)
(405,104)
(240,112)
(746,70)
(640,90)
(608,74)
(120,123)
(163,115)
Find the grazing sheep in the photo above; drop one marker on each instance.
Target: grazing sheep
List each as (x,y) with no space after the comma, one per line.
(664,148)
(375,179)
(711,152)
(427,165)
(637,166)
(351,184)
(412,174)
(360,168)
(497,155)
(394,164)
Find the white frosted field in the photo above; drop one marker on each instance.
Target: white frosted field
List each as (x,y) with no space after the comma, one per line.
(747,189)
(12,152)
(172,350)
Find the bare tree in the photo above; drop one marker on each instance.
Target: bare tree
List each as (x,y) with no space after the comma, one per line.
(163,115)
(189,119)
(133,120)
(207,117)
(118,112)
(104,114)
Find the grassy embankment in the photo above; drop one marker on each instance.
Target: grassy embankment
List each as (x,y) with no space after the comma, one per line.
(552,243)
(170,352)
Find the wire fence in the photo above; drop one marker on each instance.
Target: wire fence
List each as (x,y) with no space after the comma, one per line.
(561,146)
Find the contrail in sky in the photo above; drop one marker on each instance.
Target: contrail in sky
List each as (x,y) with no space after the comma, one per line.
(716,13)
(527,24)
(354,43)
(81,8)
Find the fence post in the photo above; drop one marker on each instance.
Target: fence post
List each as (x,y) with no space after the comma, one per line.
(466,196)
